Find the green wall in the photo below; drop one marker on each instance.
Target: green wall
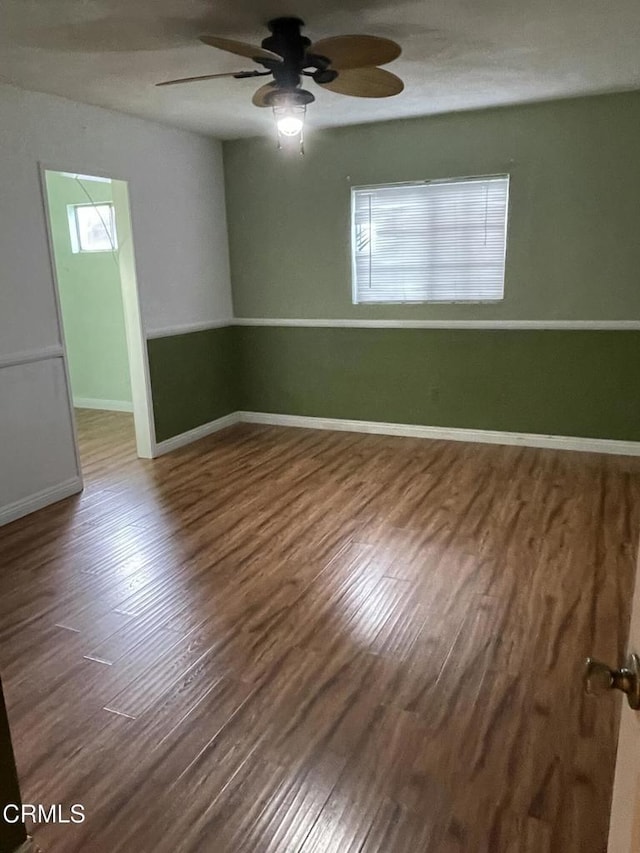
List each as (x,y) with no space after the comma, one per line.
(574,226)
(576,383)
(573,254)
(194,379)
(91,299)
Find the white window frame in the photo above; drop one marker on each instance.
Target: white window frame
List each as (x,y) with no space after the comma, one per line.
(74,228)
(465,179)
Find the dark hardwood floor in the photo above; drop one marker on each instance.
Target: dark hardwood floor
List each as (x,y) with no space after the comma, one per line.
(286,640)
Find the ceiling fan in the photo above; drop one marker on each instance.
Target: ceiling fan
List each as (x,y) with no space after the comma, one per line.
(348,65)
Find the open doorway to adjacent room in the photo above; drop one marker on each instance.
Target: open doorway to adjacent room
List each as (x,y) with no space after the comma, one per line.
(91,241)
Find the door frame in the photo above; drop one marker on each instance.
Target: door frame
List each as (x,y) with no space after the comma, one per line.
(14,833)
(137,354)
(624,817)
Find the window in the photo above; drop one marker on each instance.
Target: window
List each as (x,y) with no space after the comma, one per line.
(92,227)
(437,241)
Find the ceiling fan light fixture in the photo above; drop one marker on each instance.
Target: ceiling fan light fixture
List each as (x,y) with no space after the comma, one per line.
(346,65)
(289,112)
(290,120)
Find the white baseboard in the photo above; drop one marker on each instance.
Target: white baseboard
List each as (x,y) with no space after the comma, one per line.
(553,442)
(40,500)
(195,434)
(104,405)
(483,436)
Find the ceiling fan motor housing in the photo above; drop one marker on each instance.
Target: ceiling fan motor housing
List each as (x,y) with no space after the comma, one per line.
(289,43)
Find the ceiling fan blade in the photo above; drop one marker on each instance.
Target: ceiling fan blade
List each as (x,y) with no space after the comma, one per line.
(241,48)
(365,83)
(259,95)
(356,51)
(205,77)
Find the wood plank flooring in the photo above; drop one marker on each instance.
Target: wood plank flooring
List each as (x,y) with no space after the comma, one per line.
(290,641)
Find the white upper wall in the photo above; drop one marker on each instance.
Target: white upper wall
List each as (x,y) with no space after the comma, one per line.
(176,189)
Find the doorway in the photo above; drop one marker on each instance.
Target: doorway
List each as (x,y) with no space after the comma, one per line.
(93,260)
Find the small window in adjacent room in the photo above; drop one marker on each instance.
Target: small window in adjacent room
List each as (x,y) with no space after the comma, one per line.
(92,227)
(436,241)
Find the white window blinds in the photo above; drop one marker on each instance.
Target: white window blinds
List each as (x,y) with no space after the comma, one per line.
(443,241)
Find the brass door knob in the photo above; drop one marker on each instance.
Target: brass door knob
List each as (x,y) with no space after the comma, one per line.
(599,678)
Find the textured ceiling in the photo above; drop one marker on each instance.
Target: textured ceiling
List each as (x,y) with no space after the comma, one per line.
(457,54)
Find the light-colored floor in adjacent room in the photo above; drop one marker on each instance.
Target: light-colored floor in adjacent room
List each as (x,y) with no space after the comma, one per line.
(291,640)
